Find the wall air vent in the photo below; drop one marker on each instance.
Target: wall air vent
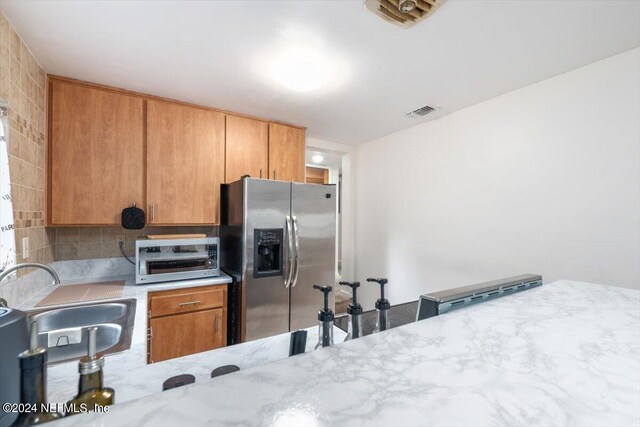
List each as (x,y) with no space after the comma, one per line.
(405,13)
(421,112)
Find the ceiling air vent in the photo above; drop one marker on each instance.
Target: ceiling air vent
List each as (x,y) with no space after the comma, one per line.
(421,112)
(405,13)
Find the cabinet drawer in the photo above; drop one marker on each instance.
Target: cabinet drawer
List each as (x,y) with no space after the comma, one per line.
(185,300)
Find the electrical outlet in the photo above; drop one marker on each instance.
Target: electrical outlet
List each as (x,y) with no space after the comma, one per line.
(120,238)
(25,247)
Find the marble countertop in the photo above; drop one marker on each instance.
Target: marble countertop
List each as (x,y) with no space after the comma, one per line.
(62,381)
(564,354)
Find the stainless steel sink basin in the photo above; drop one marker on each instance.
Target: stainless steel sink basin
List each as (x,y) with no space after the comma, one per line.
(62,329)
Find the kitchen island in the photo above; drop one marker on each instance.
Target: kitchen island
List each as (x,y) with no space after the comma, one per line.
(564,354)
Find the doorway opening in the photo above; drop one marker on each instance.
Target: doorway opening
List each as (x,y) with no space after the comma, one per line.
(328,163)
(326,168)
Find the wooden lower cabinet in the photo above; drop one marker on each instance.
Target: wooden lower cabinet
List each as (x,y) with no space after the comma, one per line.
(184,334)
(196,328)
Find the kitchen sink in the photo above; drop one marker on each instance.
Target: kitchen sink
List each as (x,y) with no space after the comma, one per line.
(62,329)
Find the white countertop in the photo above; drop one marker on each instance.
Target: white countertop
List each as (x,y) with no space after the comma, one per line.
(566,353)
(128,372)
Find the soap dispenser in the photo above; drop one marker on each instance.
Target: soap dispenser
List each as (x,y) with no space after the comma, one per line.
(91,393)
(382,307)
(33,384)
(354,310)
(325,316)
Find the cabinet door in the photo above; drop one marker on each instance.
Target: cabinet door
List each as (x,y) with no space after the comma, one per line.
(184,334)
(317,175)
(185,163)
(247,148)
(286,153)
(96,159)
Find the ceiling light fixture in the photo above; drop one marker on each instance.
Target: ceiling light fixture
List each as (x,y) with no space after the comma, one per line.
(300,73)
(317,158)
(303,62)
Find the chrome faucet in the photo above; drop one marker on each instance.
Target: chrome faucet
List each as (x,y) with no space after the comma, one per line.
(51,271)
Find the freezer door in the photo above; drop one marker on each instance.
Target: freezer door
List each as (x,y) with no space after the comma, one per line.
(313,210)
(266,296)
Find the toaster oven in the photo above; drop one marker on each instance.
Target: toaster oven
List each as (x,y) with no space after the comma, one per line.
(165,260)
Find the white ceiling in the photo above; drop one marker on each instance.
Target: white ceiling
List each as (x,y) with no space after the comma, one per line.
(217,53)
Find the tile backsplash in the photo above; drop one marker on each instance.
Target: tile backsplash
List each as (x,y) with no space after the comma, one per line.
(100,242)
(23,87)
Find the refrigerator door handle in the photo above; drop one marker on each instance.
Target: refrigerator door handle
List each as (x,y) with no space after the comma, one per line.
(287,276)
(297,252)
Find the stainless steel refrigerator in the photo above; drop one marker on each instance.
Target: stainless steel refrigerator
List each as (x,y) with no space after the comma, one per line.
(277,239)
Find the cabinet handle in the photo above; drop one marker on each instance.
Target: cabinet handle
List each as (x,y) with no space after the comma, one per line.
(260,172)
(150,344)
(217,324)
(274,174)
(153,212)
(188,303)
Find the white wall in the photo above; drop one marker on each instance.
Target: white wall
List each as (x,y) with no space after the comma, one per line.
(545,179)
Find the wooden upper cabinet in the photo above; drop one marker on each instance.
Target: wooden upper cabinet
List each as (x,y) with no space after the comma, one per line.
(286,153)
(96,160)
(109,148)
(317,175)
(185,163)
(247,150)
